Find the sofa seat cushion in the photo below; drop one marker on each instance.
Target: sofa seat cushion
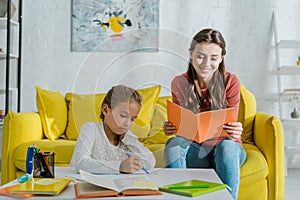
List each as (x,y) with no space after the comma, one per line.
(158,152)
(255,167)
(63,150)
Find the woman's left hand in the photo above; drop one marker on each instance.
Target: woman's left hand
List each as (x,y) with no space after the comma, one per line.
(234,129)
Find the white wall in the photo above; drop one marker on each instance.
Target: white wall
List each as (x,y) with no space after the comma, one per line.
(246,26)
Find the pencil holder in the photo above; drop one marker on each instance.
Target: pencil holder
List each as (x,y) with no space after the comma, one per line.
(43,165)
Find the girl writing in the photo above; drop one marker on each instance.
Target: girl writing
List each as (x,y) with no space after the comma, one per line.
(110,147)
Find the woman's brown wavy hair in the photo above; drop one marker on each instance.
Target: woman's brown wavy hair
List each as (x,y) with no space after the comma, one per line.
(215,96)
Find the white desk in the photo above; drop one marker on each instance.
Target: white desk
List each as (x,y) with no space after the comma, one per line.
(162,177)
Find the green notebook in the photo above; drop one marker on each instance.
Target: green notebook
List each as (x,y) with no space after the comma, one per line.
(192,188)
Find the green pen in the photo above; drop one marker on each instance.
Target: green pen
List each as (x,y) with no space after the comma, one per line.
(188,187)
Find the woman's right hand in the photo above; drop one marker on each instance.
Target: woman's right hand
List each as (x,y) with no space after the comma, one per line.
(169,128)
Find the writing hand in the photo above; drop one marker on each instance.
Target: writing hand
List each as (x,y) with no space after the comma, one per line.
(234,129)
(131,164)
(169,128)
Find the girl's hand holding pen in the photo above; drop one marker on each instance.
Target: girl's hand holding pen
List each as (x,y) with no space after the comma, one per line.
(169,128)
(234,129)
(131,164)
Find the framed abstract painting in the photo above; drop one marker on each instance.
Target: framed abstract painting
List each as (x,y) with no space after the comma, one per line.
(115,25)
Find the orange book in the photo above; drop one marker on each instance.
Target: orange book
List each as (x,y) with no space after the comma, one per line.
(202,126)
(6,191)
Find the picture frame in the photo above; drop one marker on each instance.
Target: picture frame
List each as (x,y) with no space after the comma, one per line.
(113,25)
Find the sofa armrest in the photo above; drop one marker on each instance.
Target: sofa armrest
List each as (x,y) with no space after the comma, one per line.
(17,129)
(268,137)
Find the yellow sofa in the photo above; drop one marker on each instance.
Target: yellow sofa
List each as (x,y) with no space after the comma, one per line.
(262,175)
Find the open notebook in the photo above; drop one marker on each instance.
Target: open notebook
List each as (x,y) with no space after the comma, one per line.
(105,186)
(202,126)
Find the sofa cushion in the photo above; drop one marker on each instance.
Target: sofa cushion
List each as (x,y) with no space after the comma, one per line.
(160,115)
(247,111)
(158,152)
(53,111)
(255,167)
(157,134)
(81,109)
(142,124)
(63,150)
(86,108)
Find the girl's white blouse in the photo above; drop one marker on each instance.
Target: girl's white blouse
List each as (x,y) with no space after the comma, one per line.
(94,153)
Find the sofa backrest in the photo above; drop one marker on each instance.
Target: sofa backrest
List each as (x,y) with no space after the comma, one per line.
(83,108)
(247,112)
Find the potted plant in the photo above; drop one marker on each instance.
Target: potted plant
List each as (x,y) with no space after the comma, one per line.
(298,61)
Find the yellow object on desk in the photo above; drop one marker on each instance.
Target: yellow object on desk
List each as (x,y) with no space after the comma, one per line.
(43,186)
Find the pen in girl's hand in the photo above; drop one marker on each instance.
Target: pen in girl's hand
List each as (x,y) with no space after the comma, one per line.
(143,168)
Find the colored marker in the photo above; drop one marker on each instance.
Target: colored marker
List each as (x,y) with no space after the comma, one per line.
(188,187)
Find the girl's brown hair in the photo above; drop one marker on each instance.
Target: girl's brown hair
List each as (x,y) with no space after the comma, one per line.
(120,93)
(215,96)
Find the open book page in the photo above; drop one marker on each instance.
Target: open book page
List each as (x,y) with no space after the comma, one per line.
(202,126)
(185,120)
(210,124)
(119,183)
(135,182)
(98,180)
(113,175)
